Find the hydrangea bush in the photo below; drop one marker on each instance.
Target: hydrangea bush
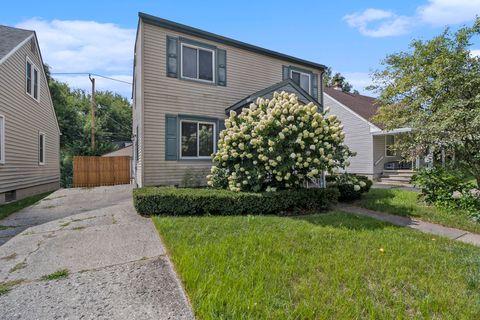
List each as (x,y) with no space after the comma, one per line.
(277,144)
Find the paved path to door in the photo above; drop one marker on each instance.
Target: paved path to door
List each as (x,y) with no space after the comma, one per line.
(117,263)
(427,227)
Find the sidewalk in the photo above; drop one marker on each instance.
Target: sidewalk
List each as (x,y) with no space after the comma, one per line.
(426,227)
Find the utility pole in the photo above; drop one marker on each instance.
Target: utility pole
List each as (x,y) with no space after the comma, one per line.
(93,111)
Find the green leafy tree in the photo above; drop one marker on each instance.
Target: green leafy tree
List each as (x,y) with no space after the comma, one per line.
(435,89)
(73,110)
(329,79)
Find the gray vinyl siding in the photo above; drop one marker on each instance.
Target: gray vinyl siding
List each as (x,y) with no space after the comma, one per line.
(357,137)
(247,73)
(137,107)
(24,119)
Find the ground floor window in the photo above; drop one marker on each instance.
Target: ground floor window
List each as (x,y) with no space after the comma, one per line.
(41,148)
(197,139)
(390,146)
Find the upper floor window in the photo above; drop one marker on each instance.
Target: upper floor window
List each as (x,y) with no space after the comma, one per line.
(31,78)
(197,63)
(2,139)
(197,139)
(302,79)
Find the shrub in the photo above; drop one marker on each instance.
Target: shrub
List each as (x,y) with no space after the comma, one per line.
(277,144)
(350,186)
(447,188)
(180,202)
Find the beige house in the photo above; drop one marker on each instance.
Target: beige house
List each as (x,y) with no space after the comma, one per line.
(29,132)
(185,82)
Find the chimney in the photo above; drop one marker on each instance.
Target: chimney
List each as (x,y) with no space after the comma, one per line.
(338,84)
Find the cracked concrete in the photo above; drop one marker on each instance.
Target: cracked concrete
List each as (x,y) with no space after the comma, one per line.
(117,263)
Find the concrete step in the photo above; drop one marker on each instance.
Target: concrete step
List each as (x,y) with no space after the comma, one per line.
(395,178)
(394,183)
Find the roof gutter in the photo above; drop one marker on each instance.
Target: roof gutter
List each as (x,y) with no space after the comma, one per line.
(224,40)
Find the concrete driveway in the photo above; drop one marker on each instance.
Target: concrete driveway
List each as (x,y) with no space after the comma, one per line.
(116,262)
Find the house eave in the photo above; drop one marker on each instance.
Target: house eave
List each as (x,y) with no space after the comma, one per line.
(251,98)
(225,40)
(390,132)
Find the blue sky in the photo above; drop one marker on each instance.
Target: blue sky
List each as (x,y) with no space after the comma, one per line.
(350,36)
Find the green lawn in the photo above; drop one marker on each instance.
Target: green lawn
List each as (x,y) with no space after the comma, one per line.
(326,266)
(8,209)
(405,203)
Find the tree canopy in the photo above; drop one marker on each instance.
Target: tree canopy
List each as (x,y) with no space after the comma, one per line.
(434,88)
(73,110)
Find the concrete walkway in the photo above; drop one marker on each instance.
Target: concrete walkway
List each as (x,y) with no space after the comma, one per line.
(117,264)
(427,227)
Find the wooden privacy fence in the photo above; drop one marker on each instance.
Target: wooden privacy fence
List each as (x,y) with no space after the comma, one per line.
(100,171)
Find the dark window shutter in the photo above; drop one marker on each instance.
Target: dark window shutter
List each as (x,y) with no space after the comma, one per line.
(172,57)
(220,128)
(171,133)
(315,86)
(286,73)
(221,67)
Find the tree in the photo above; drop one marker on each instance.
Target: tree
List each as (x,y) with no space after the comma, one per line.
(331,80)
(277,144)
(435,89)
(73,110)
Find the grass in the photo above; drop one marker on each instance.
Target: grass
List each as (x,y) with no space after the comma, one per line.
(9,208)
(405,203)
(326,266)
(60,274)
(18,266)
(5,287)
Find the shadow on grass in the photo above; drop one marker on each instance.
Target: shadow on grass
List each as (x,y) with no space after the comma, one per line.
(343,220)
(395,201)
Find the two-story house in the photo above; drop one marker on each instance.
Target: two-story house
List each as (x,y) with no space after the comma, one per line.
(185,82)
(29,132)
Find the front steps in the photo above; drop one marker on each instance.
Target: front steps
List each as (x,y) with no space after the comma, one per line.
(396,178)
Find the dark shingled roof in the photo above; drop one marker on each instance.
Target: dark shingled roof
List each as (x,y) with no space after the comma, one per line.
(364,106)
(10,38)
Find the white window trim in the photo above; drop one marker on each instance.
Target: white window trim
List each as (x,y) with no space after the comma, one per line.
(198,139)
(2,139)
(304,73)
(198,64)
(42,134)
(34,67)
(387,156)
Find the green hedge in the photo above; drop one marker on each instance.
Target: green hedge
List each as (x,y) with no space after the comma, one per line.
(186,201)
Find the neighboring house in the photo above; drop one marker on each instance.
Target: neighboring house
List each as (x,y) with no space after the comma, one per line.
(29,132)
(374,146)
(185,82)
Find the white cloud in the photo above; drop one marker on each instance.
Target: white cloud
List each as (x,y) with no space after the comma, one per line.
(443,12)
(387,23)
(101,84)
(475,53)
(384,23)
(86,46)
(359,81)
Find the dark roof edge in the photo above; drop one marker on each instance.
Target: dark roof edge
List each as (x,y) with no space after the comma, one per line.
(224,40)
(240,104)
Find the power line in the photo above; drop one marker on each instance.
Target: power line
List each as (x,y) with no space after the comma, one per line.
(89,73)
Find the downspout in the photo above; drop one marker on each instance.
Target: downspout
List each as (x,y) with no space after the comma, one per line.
(321,89)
